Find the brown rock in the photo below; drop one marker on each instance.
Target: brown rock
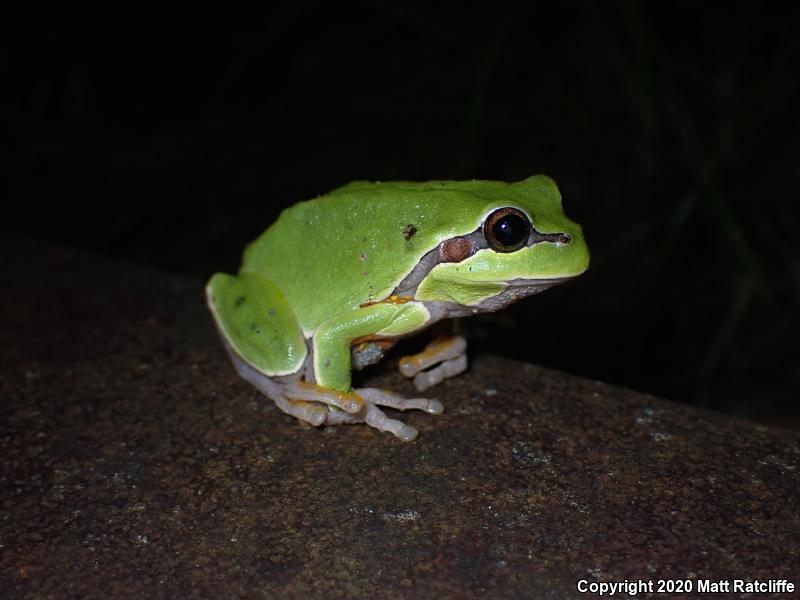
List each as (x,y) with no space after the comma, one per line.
(136,464)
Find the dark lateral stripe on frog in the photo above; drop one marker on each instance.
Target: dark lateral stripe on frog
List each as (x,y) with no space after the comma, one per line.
(460,248)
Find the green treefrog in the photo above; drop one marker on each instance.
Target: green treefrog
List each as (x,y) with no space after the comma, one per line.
(336,280)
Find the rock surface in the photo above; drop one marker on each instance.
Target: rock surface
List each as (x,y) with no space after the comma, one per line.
(136,464)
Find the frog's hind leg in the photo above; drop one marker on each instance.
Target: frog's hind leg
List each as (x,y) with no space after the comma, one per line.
(307,402)
(309,412)
(450,353)
(248,309)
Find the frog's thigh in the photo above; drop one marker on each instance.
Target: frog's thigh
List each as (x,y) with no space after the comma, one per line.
(333,337)
(310,412)
(263,339)
(450,352)
(257,323)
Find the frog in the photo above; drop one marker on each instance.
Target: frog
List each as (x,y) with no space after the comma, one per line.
(337,280)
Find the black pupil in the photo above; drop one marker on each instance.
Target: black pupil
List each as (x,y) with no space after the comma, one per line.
(510,230)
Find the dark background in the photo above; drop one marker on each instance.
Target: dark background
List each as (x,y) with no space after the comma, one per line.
(671,128)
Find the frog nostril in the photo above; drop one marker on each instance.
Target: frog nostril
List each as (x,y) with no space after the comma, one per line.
(564,238)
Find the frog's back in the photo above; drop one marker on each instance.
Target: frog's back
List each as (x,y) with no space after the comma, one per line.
(355,244)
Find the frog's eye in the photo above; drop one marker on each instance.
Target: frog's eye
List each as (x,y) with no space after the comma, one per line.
(506,229)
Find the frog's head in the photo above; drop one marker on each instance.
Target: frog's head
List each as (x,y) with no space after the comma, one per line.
(524,244)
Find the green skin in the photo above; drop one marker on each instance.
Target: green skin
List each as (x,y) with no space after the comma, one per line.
(322,275)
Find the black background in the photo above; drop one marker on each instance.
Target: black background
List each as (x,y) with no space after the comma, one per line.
(671,128)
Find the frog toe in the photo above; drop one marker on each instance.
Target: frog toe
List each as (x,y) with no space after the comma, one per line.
(447,369)
(382,398)
(376,418)
(434,407)
(449,353)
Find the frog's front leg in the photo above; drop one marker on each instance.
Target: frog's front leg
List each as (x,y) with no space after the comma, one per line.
(375,417)
(332,362)
(450,353)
